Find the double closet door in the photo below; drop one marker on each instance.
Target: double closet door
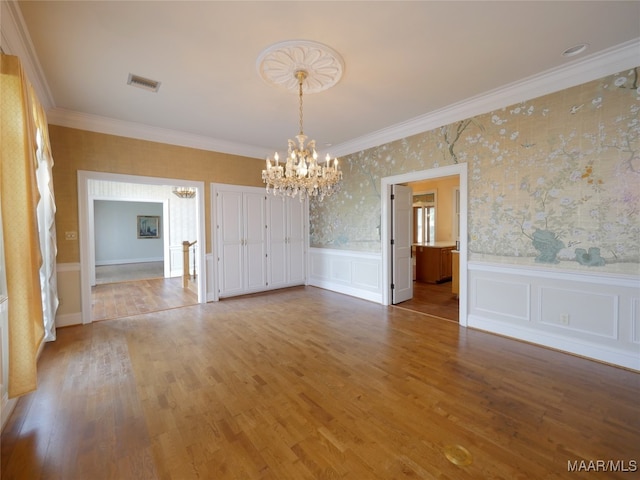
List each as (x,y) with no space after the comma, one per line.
(260,240)
(286,229)
(242,242)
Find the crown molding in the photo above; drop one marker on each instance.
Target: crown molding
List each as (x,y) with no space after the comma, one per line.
(16,41)
(593,67)
(121,128)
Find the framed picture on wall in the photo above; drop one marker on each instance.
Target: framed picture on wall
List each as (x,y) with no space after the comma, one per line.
(148,226)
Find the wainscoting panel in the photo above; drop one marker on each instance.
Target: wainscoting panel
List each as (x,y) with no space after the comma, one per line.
(354,273)
(587,314)
(580,310)
(366,274)
(510,300)
(175,260)
(340,269)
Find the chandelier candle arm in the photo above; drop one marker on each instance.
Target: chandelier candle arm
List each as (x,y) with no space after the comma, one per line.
(302,174)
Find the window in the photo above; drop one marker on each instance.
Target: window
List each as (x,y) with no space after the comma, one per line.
(424,218)
(456,214)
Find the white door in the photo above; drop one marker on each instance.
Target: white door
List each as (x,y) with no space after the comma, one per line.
(296,241)
(230,230)
(277,208)
(255,241)
(286,242)
(401,235)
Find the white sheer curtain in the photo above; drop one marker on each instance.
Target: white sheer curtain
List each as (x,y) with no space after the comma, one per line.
(47,231)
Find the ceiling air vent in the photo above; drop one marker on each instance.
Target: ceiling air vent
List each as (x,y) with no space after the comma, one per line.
(144,83)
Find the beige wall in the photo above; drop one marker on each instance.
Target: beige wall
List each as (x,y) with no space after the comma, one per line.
(75,150)
(444,188)
(69,295)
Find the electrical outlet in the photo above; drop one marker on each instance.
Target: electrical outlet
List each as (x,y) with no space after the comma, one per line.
(564,319)
(70,235)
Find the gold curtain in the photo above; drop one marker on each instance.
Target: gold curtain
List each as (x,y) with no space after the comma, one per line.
(19,199)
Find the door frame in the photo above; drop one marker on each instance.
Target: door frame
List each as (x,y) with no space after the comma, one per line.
(459,169)
(85,227)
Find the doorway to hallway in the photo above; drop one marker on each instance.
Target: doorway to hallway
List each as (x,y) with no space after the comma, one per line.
(148,297)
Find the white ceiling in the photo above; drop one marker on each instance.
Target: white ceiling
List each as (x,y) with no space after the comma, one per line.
(403,60)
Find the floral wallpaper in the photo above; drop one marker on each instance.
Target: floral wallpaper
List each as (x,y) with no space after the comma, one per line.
(553,180)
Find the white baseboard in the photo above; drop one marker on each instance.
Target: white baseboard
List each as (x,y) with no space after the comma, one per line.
(347,290)
(125,261)
(563,343)
(69,319)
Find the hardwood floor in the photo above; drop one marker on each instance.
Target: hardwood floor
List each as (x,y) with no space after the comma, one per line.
(116,300)
(433,299)
(304,383)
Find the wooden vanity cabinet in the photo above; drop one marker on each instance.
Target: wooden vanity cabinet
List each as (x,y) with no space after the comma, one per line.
(455,280)
(433,263)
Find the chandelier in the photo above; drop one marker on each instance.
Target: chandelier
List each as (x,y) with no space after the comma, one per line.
(291,65)
(184,192)
(301,173)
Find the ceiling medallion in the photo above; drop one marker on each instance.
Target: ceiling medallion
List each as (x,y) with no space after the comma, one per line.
(278,64)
